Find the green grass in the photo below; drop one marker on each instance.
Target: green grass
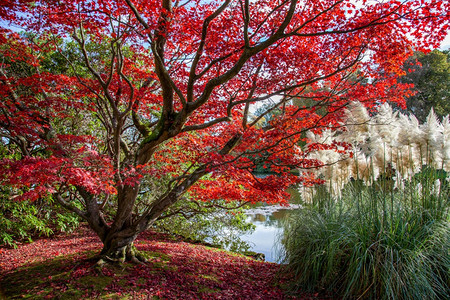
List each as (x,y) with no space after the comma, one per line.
(373,243)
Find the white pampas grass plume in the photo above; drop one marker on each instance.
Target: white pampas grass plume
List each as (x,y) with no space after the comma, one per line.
(307,193)
(386,124)
(432,149)
(357,123)
(388,141)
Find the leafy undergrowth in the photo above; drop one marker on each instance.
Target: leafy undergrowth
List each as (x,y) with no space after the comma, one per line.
(63,268)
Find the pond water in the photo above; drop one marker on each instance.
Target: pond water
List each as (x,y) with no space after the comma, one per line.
(269,228)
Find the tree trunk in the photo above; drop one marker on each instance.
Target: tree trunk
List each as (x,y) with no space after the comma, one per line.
(118,247)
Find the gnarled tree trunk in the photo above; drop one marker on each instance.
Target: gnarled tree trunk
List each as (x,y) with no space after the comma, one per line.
(118,247)
(118,237)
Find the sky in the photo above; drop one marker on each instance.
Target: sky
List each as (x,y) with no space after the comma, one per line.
(445,45)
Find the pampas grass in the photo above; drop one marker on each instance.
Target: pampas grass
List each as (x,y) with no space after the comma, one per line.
(379,227)
(387,142)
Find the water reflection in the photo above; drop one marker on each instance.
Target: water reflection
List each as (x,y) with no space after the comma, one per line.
(268,220)
(269,226)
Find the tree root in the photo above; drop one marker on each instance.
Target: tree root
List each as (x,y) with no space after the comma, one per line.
(126,254)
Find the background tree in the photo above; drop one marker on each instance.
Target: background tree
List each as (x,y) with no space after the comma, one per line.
(24,220)
(164,90)
(430,74)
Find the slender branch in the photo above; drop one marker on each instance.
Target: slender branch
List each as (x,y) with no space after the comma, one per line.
(206,125)
(188,212)
(250,95)
(70,207)
(372,23)
(206,22)
(246,15)
(82,43)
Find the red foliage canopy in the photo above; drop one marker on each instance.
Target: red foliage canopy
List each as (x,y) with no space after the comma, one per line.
(117,97)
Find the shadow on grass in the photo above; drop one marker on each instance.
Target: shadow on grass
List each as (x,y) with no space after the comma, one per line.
(78,277)
(175,270)
(192,272)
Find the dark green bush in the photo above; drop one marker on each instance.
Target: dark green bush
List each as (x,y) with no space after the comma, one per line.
(24,220)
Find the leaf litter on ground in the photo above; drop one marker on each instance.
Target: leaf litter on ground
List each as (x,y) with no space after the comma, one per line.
(63,267)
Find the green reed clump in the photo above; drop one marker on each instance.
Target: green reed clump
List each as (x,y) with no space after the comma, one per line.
(375,242)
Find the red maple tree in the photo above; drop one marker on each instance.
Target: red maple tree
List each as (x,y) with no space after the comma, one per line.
(117,109)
